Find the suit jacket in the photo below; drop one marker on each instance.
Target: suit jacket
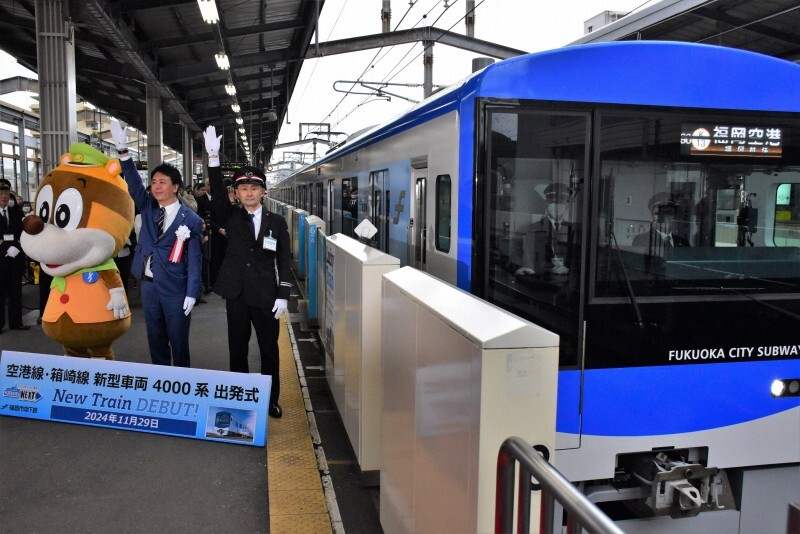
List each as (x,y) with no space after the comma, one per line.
(14,227)
(248,269)
(174,279)
(655,243)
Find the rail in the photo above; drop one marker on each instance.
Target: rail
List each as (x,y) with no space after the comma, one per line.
(554,487)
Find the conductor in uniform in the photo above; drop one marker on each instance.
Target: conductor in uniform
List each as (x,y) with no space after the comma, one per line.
(254,277)
(12,261)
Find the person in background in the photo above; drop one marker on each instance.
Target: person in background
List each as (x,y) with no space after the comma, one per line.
(254,278)
(167,260)
(12,260)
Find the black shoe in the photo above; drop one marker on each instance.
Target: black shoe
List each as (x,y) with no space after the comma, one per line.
(275,410)
(20,327)
(39,320)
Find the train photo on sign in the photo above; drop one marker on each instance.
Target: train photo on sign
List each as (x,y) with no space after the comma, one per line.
(642,201)
(227,425)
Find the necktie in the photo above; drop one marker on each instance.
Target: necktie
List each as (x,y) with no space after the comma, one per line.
(253,223)
(5,217)
(162,214)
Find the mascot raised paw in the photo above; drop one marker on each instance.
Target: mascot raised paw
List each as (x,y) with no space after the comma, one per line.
(82,217)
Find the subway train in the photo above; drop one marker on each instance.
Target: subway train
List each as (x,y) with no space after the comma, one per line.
(228,425)
(642,201)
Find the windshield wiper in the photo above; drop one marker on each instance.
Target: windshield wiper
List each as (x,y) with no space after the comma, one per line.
(631,294)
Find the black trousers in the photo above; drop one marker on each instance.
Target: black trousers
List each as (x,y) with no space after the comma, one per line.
(240,317)
(11,288)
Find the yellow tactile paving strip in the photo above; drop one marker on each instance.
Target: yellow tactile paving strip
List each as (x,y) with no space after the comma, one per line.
(296,496)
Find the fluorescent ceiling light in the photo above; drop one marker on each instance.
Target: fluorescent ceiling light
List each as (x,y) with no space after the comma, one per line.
(236,108)
(239,121)
(222,61)
(208,10)
(241,130)
(230,89)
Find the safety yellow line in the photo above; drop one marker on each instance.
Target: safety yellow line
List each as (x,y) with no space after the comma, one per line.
(296,496)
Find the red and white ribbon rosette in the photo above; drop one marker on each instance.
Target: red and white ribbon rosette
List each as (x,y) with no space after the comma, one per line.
(182,233)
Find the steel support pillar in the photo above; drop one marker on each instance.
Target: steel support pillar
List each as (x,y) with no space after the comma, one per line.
(188,158)
(469,19)
(155,137)
(24,188)
(427,62)
(55,51)
(386,16)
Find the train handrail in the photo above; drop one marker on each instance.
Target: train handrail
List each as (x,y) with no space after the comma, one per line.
(554,486)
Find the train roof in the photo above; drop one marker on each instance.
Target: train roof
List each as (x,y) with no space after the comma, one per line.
(654,73)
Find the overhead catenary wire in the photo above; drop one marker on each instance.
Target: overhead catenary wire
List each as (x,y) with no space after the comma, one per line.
(370,65)
(415,57)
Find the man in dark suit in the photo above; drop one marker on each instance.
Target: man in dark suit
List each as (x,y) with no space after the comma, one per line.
(254,277)
(12,261)
(548,243)
(167,260)
(663,212)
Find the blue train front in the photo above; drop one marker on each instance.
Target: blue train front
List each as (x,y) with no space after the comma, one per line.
(641,200)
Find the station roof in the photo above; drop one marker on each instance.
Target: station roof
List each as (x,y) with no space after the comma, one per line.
(121,46)
(124,45)
(770,27)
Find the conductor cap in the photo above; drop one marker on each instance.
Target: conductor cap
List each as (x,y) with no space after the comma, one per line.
(556,193)
(249,175)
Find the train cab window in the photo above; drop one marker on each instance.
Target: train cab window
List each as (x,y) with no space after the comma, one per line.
(535,212)
(696,206)
(443,212)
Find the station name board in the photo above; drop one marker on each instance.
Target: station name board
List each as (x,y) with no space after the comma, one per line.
(731,140)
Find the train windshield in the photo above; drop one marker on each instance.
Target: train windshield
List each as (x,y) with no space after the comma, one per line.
(581,205)
(696,205)
(223,419)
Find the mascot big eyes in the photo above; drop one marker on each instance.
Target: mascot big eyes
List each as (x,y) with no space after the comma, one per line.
(82,217)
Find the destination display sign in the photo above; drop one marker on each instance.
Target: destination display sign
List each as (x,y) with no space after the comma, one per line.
(731,140)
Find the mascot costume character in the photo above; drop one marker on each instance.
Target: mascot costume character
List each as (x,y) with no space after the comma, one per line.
(83,216)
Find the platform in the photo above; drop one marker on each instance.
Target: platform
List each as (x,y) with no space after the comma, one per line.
(59,477)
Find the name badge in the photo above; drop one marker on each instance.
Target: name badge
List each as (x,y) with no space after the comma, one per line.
(8,237)
(270,243)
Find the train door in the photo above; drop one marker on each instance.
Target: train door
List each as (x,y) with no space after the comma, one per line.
(376,213)
(418,226)
(331,207)
(318,196)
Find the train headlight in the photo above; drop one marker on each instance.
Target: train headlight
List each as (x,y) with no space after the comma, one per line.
(785,387)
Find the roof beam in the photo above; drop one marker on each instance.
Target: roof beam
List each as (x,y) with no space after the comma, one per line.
(124,40)
(736,23)
(379,40)
(226,33)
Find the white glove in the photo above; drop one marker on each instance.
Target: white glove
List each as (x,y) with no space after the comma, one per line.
(118,134)
(117,302)
(524,270)
(212,146)
(188,304)
(12,252)
(280,307)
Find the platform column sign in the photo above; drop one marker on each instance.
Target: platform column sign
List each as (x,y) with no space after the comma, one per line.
(176,401)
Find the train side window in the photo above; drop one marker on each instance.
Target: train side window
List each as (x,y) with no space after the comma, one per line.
(349,206)
(443,212)
(787,216)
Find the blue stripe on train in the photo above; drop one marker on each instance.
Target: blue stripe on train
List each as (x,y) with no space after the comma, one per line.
(646,401)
